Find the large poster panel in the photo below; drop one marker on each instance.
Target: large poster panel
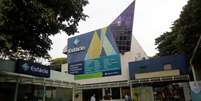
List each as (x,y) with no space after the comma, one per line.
(196,90)
(93,55)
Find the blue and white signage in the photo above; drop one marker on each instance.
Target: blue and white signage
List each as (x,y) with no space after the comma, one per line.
(93,55)
(30,68)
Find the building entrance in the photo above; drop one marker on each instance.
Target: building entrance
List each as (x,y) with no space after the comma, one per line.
(88,93)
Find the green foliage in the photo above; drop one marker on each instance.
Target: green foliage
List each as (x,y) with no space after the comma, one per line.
(25,25)
(184,33)
(57,62)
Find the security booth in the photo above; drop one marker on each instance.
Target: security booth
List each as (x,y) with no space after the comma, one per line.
(160,79)
(27,81)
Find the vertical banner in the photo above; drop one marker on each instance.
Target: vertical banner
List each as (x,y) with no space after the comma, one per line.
(196,90)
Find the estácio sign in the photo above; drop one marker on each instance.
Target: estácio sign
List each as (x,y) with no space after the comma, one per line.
(31,68)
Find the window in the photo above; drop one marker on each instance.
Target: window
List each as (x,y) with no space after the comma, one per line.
(124,38)
(121,37)
(115,93)
(128,43)
(107,95)
(127,48)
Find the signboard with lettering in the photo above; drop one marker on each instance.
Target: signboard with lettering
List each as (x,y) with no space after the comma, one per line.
(93,55)
(30,68)
(157,74)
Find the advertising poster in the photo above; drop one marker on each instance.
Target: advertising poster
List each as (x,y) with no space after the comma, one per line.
(93,55)
(196,90)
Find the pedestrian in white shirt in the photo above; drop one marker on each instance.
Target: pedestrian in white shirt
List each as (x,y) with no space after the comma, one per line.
(93,98)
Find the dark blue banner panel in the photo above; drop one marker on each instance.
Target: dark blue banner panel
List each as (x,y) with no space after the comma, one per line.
(165,63)
(30,68)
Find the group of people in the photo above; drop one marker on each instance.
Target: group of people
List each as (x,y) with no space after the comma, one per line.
(127,97)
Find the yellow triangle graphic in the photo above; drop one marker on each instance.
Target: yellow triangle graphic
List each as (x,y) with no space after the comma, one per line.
(95,47)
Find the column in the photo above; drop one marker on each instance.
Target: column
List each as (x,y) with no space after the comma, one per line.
(103,93)
(131,91)
(73,96)
(44,90)
(121,96)
(16,90)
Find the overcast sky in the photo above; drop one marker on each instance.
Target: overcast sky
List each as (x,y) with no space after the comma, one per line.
(151,19)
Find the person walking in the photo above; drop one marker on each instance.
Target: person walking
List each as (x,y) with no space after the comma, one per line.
(93,98)
(127,97)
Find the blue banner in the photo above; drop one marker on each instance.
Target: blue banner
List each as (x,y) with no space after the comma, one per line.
(76,68)
(30,68)
(107,63)
(93,53)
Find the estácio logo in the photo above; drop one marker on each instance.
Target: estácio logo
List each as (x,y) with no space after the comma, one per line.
(76,41)
(25,67)
(77,47)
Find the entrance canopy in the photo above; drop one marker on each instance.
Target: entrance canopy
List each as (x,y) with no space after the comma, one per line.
(27,79)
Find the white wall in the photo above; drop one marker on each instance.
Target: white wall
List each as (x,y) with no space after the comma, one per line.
(136,53)
(64,68)
(55,75)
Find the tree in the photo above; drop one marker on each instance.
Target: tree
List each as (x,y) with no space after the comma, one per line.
(26,25)
(57,62)
(184,33)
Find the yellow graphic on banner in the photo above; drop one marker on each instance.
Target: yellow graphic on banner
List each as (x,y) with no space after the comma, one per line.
(107,46)
(95,47)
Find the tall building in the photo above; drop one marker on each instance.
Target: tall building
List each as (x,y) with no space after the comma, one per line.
(102,56)
(110,63)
